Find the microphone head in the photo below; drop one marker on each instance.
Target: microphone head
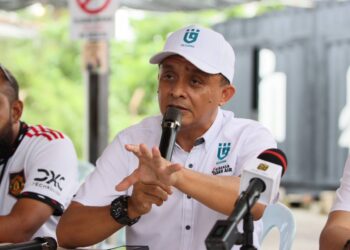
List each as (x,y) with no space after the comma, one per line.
(276,156)
(172,114)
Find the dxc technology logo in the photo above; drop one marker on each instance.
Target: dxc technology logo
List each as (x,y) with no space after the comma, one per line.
(223,150)
(191,35)
(50,178)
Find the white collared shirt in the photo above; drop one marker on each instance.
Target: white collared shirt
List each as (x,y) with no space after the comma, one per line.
(181,222)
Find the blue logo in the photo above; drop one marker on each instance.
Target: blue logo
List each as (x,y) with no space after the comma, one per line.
(191,35)
(223,150)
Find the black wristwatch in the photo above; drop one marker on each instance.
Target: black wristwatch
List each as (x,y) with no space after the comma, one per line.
(119,211)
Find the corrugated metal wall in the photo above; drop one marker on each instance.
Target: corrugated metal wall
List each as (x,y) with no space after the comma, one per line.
(312,47)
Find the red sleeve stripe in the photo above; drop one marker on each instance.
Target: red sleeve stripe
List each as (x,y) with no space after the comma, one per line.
(34,129)
(46,135)
(43,134)
(56,134)
(43,131)
(60,134)
(53,133)
(42,128)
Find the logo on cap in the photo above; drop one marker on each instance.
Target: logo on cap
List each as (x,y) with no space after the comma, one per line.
(191,35)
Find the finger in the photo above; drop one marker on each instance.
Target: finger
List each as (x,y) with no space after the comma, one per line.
(168,170)
(135,149)
(157,191)
(151,199)
(158,159)
(144,151)
(148,194)
(165,187)
(128,181)
(157,198)
(156,152)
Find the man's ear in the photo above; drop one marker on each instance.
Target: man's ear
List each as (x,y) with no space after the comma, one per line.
(17,109)
(227,93)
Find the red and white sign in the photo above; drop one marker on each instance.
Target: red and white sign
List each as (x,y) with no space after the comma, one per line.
(93,19)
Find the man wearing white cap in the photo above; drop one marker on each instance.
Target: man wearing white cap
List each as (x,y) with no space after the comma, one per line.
(196,69)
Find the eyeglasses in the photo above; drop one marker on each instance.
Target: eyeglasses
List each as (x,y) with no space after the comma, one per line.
(5,73)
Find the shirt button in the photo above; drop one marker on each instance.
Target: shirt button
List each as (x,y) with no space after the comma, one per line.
(190,165)
(189,197)
(188,227)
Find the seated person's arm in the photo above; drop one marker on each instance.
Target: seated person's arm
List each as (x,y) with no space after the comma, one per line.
(84,225)
(97,224)
(25,218)
(217,192)
(336,232)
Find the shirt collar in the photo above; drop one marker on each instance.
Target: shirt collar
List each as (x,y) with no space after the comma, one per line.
(209,136)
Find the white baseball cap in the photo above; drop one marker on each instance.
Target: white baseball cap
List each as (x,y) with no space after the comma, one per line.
(206,49)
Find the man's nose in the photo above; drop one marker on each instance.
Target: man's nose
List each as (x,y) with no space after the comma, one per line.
(177,89)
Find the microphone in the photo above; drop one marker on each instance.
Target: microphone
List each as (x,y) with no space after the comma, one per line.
(266,172)
(259,176)
(170,126)
(39,243)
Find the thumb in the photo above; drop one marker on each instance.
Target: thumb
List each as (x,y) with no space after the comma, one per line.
(127,181)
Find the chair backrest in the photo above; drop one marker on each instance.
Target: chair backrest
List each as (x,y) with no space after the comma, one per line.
(280,216)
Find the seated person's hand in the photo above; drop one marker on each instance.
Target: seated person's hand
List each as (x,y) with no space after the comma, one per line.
(153,168)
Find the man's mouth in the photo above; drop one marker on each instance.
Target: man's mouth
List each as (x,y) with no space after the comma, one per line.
(178,107)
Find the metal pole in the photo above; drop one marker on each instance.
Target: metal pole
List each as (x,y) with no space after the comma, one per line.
(96,67)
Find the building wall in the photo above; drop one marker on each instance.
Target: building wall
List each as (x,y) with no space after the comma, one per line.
(312,47)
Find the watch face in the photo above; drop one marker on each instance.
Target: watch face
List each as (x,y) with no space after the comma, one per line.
(119,211)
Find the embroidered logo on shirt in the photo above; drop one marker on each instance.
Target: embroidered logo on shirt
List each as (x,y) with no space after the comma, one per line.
(221,169)
(17,181)
(223,150)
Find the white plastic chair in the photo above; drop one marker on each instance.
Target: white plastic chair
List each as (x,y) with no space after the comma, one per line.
(280,216)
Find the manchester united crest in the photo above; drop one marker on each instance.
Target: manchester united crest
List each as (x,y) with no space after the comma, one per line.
(17,181)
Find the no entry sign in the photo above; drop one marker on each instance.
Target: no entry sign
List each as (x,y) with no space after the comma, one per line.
(93,19)
(88,6)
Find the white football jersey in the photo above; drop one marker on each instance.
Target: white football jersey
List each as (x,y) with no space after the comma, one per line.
(44,167)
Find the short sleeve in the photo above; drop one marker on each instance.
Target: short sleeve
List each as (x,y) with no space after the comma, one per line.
(342,201)
(257,139)
(99,187)
(52,173)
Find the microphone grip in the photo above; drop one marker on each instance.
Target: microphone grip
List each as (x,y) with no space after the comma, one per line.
(167,142)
